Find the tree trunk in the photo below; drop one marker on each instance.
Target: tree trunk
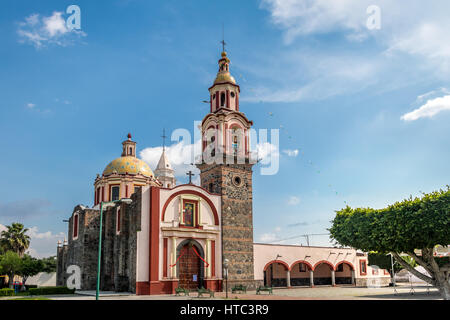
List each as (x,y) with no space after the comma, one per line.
(438,275)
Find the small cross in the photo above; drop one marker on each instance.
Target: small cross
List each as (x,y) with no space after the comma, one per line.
(164,139)
(223,38)
(223,45)
(190,174)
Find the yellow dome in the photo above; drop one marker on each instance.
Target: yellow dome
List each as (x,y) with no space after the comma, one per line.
(131,165)
(224,77)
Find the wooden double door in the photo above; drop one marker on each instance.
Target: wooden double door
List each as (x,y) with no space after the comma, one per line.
(190,273)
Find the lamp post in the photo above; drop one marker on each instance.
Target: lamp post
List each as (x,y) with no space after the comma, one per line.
(225,267)
(104,205)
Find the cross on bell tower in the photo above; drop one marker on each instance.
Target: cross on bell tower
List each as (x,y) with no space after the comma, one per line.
(190,174)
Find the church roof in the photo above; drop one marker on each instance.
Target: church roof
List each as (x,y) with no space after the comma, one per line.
(164,168)
(130,165)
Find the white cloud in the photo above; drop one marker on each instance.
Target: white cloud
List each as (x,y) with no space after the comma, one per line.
(42,244)
(41,31)
(31,105)
(429,109)
(265,152)
(180,156)
(291,153)
(300,17)
(293,200)
(411,34)
(268,237)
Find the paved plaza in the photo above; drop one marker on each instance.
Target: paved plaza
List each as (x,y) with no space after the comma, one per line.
(403,292)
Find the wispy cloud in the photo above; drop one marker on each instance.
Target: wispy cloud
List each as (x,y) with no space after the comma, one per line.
(293,201)
(291,153)
(298,224)
(41,31)
(24,208)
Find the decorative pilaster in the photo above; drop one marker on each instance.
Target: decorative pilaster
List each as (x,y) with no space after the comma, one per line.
(288,278)
(173,258)
(311,278)
(333,278)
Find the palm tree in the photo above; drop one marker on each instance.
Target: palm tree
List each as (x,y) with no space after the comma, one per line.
(15,238)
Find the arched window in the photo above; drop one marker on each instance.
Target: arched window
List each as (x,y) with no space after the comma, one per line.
(222,99)
(118,220)
(75,226)
(131,151)
(115,193)
(236,140)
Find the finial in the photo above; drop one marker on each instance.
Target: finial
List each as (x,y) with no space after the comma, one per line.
(164,139)
(223,41)
(129,136)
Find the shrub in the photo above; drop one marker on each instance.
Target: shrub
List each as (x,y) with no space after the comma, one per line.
(30,286)
(50,290)
(6,292)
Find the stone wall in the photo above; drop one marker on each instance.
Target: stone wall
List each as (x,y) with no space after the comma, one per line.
(234,183)
(118,259)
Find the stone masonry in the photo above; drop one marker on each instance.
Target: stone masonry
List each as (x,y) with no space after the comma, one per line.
(234,183)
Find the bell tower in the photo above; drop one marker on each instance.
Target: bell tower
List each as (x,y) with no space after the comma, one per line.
(226,169)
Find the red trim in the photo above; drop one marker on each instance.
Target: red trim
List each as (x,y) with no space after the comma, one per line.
(326,262)
(126,191)
(276,261)
(304,262)
(196,193)
(103,194)
(165,258)
(154,236)
(345,262)
(213,258)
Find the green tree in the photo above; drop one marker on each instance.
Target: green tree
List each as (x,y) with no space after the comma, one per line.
(11,264)
(30,267)
(49,264)
(419,223)
(15,238)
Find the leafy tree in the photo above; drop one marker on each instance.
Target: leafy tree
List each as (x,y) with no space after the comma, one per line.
(30,267)
(15,238)
(11,264)
(419,223)
(49,264)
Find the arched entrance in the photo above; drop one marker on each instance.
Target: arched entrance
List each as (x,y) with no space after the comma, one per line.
(300,274)
(322,273)
(190,268)
(275,274)
(344,273)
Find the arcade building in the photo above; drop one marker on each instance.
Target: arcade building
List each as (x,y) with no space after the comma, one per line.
(171,235)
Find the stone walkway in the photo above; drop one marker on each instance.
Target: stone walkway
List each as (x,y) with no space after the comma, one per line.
(318,293)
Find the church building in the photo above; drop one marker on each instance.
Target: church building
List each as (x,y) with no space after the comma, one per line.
(157,235)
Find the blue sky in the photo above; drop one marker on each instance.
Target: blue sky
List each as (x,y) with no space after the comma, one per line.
(363,114)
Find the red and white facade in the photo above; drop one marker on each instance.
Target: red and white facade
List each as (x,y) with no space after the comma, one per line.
(164,231)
